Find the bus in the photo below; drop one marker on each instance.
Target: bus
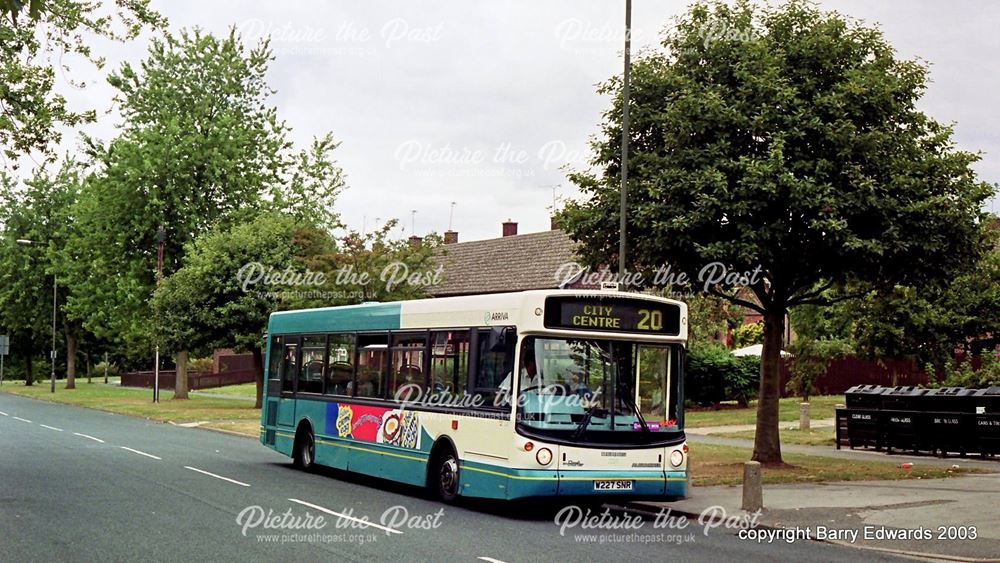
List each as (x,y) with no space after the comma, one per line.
(502,396)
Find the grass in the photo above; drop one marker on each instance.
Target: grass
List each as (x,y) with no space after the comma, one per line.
(723,465)
(138,402)
(788,410)
(241,390)
(815,437)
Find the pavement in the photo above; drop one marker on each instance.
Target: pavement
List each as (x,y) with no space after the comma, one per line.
(85,485)
(957,518)
(705,430)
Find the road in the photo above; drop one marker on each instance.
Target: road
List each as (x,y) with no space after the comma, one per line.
(83,485)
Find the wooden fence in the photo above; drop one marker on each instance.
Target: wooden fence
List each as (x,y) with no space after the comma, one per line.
(195,380)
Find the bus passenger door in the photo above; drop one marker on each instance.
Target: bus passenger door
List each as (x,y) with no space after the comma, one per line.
(289,376)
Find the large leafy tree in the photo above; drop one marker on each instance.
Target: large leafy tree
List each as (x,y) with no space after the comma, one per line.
(792,143)
(34,35)
(200,148)
(222,297)
(39,211)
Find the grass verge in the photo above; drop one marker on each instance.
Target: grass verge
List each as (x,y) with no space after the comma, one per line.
(723,465)
(138,402)
(788,410)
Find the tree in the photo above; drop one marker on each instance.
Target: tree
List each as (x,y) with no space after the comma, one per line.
(209,303)
(792,144)
(34,32)
(810,358)
(40,212)
(200,148)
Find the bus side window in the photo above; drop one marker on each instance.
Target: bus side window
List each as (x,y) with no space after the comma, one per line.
(373,351)
(289,368)
(449,362)
(495,365)
(313,364)
(340,375)
(274,359)
(408,354)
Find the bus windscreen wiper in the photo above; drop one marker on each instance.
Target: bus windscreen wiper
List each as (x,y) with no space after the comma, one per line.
(600,413)
(626,397)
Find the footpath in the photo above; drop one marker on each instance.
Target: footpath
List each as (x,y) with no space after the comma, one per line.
(952,519)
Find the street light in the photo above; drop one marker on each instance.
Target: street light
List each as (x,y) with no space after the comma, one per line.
(55,285)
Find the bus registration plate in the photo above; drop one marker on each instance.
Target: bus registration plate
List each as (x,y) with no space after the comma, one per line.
(613,485)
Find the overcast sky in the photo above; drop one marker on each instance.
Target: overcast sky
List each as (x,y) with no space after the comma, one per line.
(482,103)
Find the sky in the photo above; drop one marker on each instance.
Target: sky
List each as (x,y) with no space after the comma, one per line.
(466,114)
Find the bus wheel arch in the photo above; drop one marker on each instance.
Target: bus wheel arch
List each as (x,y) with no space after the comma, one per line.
(304,448)
(443,470)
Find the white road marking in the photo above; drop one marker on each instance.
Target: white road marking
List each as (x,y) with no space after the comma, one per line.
(88,437)
(490,560)
(21,419)
(346,517)
(3,413)
(241,483)
(141,453)
(50,427)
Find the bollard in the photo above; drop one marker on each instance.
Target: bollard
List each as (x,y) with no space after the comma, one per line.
(804,416)
(753,493)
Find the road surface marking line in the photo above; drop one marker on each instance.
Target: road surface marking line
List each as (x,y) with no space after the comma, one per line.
(346,517)
(50,427)
(141,453)
(216,476)
(21,419)
(3,413)
(490,560)
(88,437)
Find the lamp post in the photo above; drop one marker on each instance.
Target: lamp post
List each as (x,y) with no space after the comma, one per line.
(55,285)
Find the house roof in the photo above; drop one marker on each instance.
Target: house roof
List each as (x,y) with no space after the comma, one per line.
(512,263)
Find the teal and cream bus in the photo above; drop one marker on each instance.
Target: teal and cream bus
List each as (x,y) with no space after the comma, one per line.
(502,396)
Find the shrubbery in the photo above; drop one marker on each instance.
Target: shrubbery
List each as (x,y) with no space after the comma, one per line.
(714,375)
(962,374)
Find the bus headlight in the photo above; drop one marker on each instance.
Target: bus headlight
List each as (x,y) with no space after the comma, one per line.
(676,458)
(544,456)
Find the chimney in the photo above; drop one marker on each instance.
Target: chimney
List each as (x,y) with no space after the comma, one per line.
(554,223)
(450,237)
(509,228)
(415,241)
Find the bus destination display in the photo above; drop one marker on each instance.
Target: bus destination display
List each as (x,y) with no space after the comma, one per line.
(612,314)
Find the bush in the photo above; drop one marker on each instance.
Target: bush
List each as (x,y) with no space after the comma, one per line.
(714,375)
(98,369)
(201,365)
(748,335)
(962,374)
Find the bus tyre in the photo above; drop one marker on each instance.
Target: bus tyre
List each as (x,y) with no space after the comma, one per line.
(305,451)
(445,476)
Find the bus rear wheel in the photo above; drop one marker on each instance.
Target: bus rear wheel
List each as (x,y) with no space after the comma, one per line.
(305,451)
(445,476)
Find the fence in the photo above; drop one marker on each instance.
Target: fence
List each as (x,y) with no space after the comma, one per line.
(848,372)
(195,380)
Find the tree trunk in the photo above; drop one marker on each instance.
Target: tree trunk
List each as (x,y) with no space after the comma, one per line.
(181,380)
(29,375)
(90,368)
(767,444)
(70,360)
(258,367)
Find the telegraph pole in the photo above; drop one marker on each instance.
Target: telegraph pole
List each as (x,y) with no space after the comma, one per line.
(625,136)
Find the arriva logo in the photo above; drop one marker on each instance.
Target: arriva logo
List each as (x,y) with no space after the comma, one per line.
(492,317)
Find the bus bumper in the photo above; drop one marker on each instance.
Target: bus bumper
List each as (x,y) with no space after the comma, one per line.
(645,484)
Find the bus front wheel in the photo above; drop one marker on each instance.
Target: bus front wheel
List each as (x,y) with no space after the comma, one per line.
(305,450)
(445,475)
